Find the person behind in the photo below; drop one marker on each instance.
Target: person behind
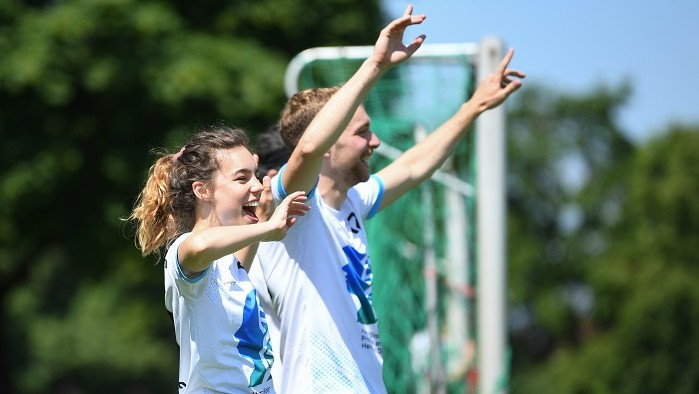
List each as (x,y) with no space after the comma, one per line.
(271,150)
(318,280)
(199,205)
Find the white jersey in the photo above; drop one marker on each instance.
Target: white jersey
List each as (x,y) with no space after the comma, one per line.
(221,330)
(316,287)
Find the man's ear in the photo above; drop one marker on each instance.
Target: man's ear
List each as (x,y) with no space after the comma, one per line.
(202,191)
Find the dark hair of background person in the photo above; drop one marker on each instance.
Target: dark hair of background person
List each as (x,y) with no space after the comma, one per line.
(272,151)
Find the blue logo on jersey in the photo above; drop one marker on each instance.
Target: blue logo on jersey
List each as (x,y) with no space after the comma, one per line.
(253,340)
(358,276)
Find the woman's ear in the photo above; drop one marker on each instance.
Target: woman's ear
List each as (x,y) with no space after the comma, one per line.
(202,191)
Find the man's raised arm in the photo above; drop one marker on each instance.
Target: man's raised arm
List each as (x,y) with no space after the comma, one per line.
(303,168)
(422,160)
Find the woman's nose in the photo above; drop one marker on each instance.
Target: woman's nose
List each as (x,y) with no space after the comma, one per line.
(256,186)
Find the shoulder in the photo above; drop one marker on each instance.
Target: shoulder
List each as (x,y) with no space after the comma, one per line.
(374,185)
(367,196)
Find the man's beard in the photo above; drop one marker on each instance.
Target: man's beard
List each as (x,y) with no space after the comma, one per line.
(357,174)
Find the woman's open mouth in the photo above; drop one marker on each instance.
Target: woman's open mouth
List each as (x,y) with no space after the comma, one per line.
(250,208)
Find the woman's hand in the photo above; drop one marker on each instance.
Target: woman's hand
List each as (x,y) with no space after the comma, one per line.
(285,215)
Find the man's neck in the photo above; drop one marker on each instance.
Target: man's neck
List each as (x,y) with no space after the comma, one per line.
(332,192)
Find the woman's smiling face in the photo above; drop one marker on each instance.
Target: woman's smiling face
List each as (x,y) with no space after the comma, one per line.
(236,188)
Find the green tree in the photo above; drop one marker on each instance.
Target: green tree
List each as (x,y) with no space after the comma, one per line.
(87,88)
(565,153)
(603,239)
(646,316)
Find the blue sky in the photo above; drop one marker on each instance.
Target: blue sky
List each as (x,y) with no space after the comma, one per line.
(574,46)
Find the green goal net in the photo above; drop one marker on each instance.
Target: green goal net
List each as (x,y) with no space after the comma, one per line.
(422,246)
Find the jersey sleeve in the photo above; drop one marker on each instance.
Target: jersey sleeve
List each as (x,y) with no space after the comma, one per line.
(312,200)
(188,287)
(368,195)
(278,189)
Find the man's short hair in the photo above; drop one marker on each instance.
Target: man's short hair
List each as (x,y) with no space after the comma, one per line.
(300,110)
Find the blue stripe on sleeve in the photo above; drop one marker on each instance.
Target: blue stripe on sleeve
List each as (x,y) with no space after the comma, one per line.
(183,276)
(313,189)
(280,186)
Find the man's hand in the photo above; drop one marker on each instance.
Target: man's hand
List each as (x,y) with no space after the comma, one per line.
(496,87)
(389,49)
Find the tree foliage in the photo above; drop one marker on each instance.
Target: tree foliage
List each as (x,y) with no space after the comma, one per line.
(87,88)
(564,154)
(603,233)
(603,297)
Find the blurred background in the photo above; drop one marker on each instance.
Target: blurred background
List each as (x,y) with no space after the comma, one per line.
(603,218)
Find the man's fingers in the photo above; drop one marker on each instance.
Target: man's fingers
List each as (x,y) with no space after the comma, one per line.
(505,61)
(512,87)
(507,73)
(415,45)
(510,72)
(406,20)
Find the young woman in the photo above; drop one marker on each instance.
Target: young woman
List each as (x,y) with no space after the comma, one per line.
(199,206)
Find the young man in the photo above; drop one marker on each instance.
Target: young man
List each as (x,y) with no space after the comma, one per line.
(316,284)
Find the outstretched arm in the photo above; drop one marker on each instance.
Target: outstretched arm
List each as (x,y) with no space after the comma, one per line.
(422,160)
(197,252)
(305,162)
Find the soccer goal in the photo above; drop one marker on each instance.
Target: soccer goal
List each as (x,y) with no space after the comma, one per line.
(438,252)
